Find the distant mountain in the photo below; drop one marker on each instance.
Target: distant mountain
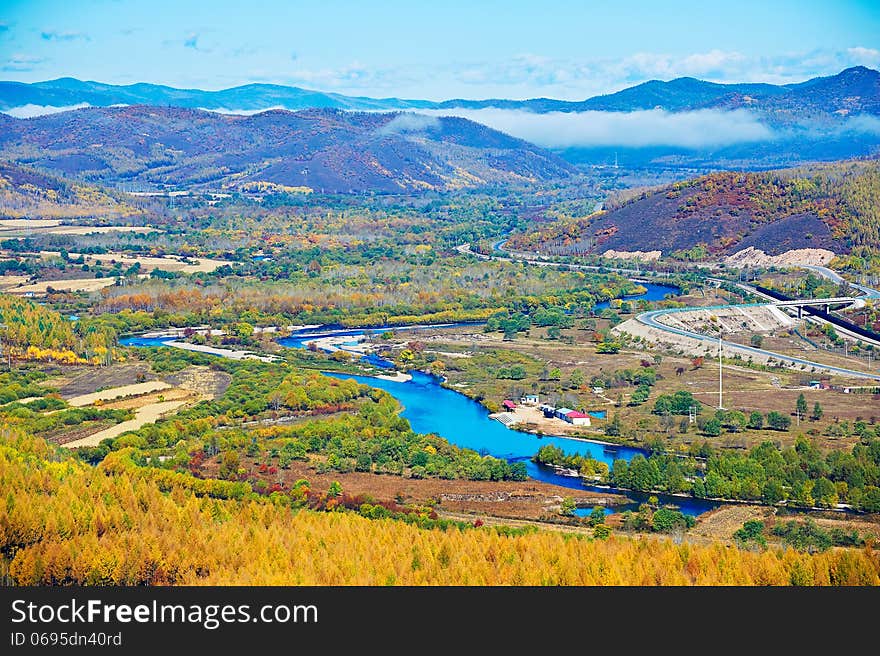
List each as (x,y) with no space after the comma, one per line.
(681,94)
(322,149)
(852,91)
(832,206)
(68,92)
(823,119)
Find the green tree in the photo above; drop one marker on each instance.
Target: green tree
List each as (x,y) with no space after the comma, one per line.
(567,507)
(601,531)
(712,428)
(778,421)
(801,405)
(751,531)
(757,340)
(772,492)
(597,516)
(243,329)
(577,379)
(666,520)
(335,489)
(817,411)
(825,493)
(871,499)
(756,420)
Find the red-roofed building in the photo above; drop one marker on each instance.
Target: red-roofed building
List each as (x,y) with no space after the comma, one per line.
(577,418)
(508,404)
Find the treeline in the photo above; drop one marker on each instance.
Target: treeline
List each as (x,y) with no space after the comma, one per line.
(799,476)
(382,292)
(65,523)
(586,466)
(35,332)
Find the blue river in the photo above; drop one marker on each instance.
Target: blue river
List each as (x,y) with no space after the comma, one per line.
(654,293)
(431,408)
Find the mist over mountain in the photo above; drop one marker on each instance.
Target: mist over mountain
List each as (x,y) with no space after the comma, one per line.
(853,91)
(682,122)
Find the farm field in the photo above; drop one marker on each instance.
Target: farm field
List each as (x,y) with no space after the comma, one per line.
(24,227)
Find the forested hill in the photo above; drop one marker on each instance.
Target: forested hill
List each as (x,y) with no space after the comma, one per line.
(28,193)
(320,149)
(834,206)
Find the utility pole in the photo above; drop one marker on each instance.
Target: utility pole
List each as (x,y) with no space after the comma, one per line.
(720,376)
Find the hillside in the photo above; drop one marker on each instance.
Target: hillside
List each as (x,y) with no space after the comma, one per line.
(832,207)
(68,523)
(25,192)
(322,149)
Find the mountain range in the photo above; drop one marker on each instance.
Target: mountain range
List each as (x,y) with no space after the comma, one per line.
(320,149)
(853,91)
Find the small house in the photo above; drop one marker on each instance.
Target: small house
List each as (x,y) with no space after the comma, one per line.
(562,413)
(508,404)
(577,418)
(548,410)
(529,399)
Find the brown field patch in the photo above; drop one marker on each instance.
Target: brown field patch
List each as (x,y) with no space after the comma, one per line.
(526,499)
(70,285)
(75,381)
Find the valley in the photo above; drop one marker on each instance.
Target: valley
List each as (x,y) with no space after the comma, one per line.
(448,354)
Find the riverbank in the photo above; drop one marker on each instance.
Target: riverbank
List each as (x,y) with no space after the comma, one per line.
(232,354)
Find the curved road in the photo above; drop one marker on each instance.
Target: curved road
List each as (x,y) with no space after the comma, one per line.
(650,318)
(836,277)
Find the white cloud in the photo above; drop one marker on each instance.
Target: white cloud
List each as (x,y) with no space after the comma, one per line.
(865,56)
(862,124)
(409,122)
(240,112)
(698,129)
(29,111)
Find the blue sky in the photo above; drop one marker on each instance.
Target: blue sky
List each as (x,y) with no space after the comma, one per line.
(438,49)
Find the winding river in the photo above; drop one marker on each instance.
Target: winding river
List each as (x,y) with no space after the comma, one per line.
(432,408)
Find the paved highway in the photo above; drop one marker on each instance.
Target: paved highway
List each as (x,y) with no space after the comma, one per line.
(650,318)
